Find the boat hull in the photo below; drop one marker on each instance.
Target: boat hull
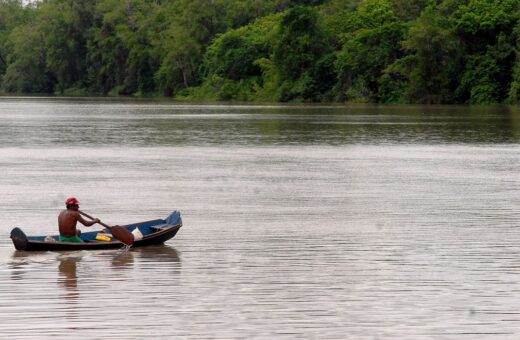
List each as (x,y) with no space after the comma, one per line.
(154,232)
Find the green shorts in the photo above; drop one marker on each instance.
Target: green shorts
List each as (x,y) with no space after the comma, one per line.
(74,238)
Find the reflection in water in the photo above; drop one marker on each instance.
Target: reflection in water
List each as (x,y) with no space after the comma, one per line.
(159,253)
(17,265)
(70,264)
(68,278)
(37,122)
(22,262)
(301,222)
(76,269)
(123,259)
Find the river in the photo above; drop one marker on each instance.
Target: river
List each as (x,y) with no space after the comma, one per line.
(300,221)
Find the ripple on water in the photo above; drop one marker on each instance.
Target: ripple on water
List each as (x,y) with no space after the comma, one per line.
(370,224)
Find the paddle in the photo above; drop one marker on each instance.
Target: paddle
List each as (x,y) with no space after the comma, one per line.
(120,233)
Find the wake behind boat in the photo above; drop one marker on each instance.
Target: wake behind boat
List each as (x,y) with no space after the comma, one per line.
(146,233)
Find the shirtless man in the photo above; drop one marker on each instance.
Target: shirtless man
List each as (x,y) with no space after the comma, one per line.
(67,221)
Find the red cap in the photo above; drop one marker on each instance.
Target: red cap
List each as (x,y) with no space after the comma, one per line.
(71,200)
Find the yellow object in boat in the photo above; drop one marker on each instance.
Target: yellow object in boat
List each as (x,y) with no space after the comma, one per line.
(103,237)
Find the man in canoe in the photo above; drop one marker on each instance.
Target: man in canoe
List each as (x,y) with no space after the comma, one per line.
(67,221)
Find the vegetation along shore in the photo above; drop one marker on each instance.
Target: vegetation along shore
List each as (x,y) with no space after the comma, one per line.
(381,51)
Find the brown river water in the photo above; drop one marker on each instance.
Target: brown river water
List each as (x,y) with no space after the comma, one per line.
(300,222)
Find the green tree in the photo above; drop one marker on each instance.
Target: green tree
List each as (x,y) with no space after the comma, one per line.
(233,55)
(231,65)
(26,71)
(66,24)
(363,60)
(12,14)
(180,53)
(421,51)
(433,60)
(514,90)
(488,75)
(485,28)
(301,44)
(120,52)
(409,10)
(107,51)
(364,14)
(372,43)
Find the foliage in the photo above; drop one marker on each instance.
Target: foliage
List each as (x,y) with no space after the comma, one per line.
(12,15)
(26,71)
(231,63)
(66,25)
(408,10)
(387,51)
(433,58)
(372,45)
(301,44)
(487,28)
(485,77)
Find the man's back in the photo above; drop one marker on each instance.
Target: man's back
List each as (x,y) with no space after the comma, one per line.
(67,221)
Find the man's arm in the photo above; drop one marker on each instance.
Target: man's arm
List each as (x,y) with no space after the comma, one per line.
(87,223)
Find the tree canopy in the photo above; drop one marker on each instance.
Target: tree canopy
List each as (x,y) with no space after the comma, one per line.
(382,51)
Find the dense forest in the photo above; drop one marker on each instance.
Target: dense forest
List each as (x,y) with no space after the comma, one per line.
(382,51)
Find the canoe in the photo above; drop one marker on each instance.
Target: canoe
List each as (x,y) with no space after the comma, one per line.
(153,232)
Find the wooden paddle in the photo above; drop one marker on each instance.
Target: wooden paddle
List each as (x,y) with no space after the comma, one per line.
(120,233)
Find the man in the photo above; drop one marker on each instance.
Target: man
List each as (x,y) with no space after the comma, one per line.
(67,221)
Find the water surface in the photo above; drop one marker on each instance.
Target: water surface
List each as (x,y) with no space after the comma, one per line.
(332,222)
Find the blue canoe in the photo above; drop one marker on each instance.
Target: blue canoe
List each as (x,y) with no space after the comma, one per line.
(153,232)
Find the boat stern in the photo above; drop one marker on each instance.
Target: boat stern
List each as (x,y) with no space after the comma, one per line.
(19,239)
